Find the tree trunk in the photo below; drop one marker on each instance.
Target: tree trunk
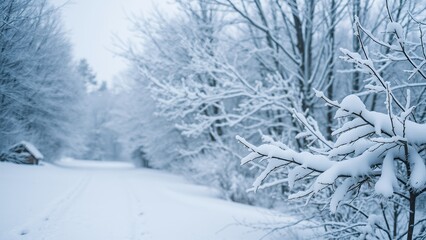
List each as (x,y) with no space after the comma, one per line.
(330,76)
(412,215)
(356,6)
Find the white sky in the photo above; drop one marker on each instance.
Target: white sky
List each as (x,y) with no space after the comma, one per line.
(91,25)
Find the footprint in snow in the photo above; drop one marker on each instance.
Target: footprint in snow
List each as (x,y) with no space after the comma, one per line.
(24,232)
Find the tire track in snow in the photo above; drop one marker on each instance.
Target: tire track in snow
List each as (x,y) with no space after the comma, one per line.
(136,211)
(99,210)
(37,226)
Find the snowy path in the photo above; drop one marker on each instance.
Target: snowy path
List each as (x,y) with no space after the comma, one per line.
(95,201)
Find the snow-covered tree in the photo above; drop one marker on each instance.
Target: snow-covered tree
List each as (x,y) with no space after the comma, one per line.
(39,88)
(373,165)
(88,75)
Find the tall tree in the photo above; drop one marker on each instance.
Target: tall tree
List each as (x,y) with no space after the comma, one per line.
(39,88)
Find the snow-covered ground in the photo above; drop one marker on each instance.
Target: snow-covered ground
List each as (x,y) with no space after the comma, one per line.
(103,200)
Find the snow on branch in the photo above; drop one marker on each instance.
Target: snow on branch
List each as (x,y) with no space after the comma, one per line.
(370,143)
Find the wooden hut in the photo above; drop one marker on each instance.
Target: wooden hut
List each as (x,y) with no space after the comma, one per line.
(24,153)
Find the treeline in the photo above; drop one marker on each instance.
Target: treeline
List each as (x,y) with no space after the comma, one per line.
(39,85)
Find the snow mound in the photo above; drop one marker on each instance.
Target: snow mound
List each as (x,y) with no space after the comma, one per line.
(93,164)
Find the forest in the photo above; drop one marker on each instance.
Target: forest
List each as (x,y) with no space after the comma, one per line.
(313,109)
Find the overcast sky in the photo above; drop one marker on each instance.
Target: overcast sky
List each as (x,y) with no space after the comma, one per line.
(91,24)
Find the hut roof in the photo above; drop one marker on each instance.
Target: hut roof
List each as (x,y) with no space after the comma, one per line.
(32,149)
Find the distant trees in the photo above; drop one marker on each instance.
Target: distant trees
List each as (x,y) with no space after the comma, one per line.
(39,87)
(150,139)
(87,74)
(100,126)
(101,138)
